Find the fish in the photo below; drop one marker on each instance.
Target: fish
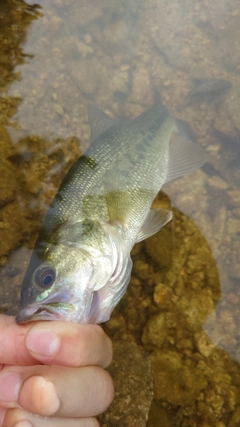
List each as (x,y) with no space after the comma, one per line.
(209,89)
(81,264)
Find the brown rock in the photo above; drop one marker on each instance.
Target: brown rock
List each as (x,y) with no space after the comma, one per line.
(234,197)
(217,183)
(162,295)
(155,331)
(173,381)
(203,344)
(131,372)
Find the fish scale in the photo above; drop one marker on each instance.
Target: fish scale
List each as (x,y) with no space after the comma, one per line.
(81,264)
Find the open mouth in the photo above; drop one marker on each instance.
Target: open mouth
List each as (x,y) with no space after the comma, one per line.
(57,311)
(55,307)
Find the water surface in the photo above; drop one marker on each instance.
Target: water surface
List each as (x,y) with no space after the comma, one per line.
(183,302)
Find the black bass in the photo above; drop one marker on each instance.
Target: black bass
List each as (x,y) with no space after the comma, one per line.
(81,264)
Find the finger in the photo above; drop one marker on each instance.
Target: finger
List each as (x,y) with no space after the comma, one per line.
(54,390)
(71,344)
(12,342)
(81,344)
(2,415)
(16,418)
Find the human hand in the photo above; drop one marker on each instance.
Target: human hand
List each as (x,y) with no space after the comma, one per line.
(55,370)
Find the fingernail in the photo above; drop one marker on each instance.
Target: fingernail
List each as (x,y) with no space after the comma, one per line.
(10,383)
(23,424)
(42,342)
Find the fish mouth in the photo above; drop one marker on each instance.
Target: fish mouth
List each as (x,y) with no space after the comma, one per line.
(57,307)
(56,311)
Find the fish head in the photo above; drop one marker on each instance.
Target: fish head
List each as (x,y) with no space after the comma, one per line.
(60,285)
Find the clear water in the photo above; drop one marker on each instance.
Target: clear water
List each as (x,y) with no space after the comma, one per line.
(183,303)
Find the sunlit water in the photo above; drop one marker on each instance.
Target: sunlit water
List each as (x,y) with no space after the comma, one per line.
(183,302)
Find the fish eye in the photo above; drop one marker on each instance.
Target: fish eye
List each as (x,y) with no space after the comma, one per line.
(44,277)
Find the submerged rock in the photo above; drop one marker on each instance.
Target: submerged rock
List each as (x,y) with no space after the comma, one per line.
(175,382)
(131,373)
(155,331)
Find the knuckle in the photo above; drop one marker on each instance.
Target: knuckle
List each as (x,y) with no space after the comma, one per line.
(104,389)
(105,346)
(109,352)
(12,417)
(91,422)
(109,392)
(95,423)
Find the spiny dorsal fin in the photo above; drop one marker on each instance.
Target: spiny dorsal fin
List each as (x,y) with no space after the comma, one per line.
(99,121)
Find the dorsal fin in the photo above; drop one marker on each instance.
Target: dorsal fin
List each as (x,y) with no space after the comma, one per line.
(99,121)
(184,157)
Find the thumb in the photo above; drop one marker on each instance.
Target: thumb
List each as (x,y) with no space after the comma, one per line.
(12,342)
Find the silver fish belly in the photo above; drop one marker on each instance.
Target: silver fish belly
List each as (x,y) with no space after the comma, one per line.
(81,264)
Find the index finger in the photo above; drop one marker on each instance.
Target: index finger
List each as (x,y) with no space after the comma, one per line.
(59,343)
(69,344)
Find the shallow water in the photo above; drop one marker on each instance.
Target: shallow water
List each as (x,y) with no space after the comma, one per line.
(183,302)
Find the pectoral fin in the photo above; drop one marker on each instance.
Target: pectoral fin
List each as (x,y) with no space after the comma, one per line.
(155,220)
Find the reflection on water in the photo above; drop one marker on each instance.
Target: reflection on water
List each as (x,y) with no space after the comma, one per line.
(183,302)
